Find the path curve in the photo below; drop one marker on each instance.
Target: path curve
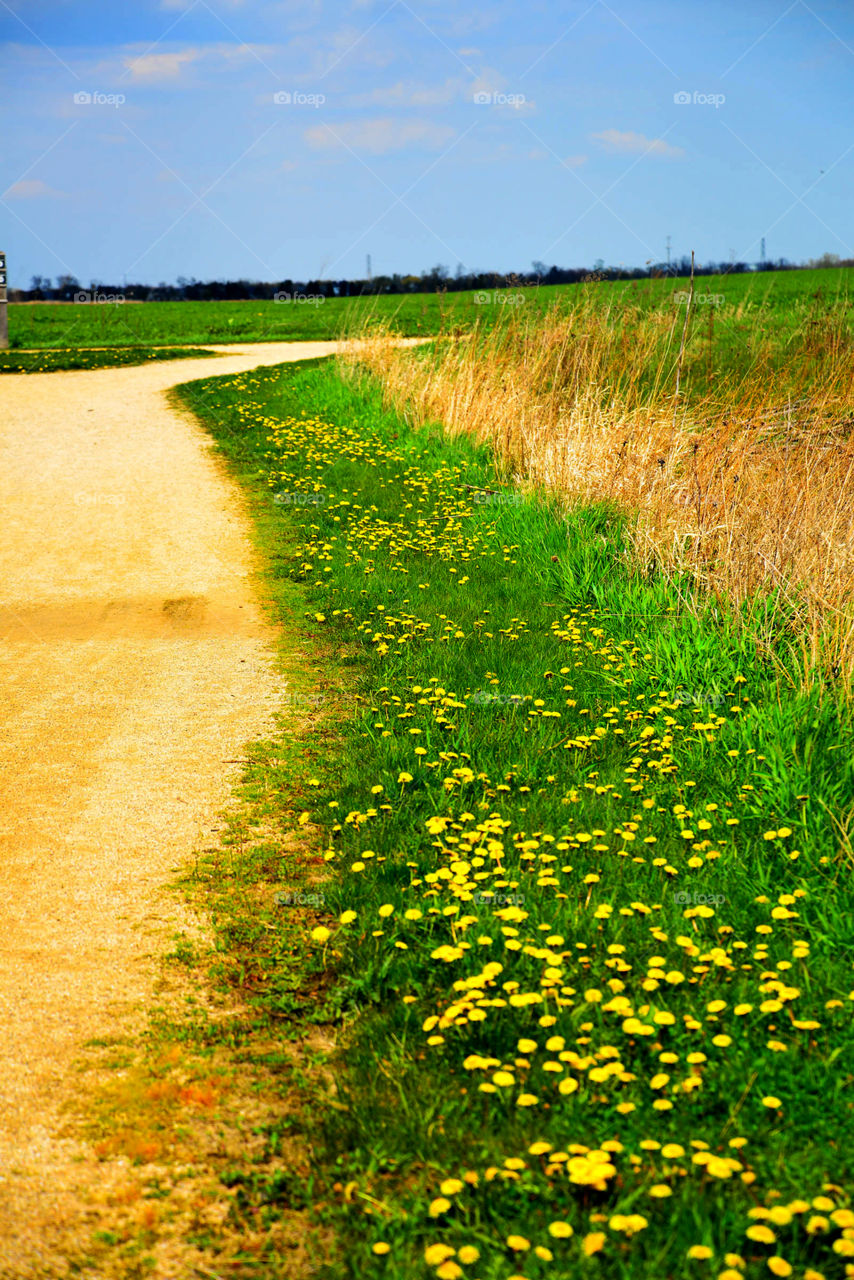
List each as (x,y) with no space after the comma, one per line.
(135,664)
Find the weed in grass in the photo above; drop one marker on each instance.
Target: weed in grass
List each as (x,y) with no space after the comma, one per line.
(737,476)
(563,1050)
(54,361)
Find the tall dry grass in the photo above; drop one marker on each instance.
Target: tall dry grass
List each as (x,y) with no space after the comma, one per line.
(745,480)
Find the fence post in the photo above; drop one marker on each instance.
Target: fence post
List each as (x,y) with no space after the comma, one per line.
(4,319)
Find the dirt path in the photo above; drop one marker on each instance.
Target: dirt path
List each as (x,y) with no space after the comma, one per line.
(134,666)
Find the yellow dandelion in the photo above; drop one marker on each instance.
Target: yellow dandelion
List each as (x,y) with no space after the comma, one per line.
(434,1254)
(451,1186)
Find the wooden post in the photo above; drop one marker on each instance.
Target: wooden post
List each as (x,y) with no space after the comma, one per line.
(4,321)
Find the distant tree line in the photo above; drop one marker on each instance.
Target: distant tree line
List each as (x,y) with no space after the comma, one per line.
(68,288)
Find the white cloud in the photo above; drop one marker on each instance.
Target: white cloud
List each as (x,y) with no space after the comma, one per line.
(489,81)
(153,68)
(329,49)
(160,66)
(574,162)
(380,136)
(243,52)
(406,93)
(29,189)
(633,144)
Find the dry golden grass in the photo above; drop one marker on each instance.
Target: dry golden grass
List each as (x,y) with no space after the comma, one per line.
(745,480)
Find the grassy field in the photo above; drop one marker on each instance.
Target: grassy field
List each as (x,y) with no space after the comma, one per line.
(54,361)
(587,891)
(742,309)
(159,323)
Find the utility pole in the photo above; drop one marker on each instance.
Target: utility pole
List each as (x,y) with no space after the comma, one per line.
(370,277)
(4,319)
(668,255)
(762,252)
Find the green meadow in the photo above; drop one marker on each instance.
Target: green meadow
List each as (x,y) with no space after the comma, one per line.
(741,310)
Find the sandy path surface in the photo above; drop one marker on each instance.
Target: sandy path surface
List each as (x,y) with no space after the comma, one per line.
(134,666)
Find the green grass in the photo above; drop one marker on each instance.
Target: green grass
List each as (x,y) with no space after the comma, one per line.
(747,309)
(74,358)
(153,323)
(566,810)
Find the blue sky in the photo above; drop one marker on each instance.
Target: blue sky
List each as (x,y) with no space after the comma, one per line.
(266,140)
